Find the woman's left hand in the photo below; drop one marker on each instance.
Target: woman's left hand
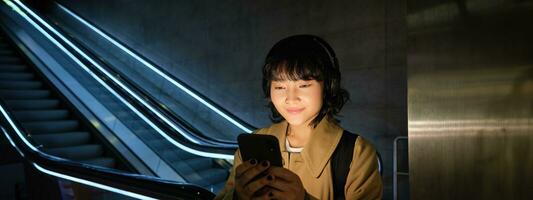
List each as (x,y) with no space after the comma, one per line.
(286,184)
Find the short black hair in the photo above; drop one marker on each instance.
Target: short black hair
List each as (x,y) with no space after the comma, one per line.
(306,57)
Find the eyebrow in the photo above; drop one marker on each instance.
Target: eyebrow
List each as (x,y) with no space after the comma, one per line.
(294,80)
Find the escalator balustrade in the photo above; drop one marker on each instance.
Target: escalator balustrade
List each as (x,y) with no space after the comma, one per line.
(49,120)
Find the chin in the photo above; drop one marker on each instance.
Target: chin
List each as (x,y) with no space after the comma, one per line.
(295,122)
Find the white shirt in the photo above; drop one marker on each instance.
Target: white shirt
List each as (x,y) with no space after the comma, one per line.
(292,149)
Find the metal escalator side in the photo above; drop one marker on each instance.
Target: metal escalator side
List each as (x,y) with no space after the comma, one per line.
(201,170)
(50,120)
(55,128)
(209,120)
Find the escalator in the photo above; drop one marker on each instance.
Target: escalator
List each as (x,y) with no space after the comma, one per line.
(204,171)
(201,171)
(50,121)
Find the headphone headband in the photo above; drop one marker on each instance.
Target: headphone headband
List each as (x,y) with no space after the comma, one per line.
(329,51)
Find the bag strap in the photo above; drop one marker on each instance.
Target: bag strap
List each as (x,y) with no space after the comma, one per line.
(340,163)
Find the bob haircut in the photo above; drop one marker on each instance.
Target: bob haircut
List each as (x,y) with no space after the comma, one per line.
(306,57)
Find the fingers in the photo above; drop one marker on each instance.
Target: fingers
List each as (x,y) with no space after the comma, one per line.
(267,195)
(285,183)
(249,173)
(248,180)
(280,185)
(245,166)
(277,194)
(284,174)
(257,187)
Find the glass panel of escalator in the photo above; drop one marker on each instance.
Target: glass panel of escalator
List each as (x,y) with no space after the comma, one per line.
(49,120)
(202,171)
(180,103)
(43,186)
(72,190)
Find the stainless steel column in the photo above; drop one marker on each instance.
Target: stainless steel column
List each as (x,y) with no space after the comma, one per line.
(470,99)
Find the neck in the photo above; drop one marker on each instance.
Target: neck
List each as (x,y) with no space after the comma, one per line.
(299,135)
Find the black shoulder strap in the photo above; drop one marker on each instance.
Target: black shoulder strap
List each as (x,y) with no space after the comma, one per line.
(340,163)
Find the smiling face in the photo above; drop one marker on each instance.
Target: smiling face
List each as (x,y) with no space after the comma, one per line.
(301,78)
(298,101)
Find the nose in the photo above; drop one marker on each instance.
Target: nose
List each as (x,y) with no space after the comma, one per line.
(292,96)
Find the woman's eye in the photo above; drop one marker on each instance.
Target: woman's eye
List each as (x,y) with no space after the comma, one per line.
(278,88)
(305,85)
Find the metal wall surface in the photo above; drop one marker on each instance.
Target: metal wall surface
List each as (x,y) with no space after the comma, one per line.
(470,99)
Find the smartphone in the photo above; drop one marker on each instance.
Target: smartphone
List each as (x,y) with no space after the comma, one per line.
(260,147)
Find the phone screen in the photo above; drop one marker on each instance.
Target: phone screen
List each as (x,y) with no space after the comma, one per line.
(260,147)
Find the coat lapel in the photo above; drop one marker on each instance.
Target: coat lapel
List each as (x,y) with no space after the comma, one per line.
(318,150)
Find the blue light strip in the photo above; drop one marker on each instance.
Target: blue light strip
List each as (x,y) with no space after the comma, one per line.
(12,142)
(109,75)
(159,72)
(12,124)
(56,174)
(54,41)
(92,184)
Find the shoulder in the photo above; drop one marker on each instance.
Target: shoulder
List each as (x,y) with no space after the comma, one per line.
(364,180)
(364,151)
(263,131)
(363,144)
(276,129)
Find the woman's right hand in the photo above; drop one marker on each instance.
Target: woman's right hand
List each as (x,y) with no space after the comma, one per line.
(245,185)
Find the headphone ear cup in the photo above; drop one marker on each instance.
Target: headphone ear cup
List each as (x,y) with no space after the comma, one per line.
(334,84)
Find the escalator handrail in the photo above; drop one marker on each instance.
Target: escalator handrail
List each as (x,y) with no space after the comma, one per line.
(176,120)
(141,186)
(227,148)
(224,152)
(153,101)
(166,73)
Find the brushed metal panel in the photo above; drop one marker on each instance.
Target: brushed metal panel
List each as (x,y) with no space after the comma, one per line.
(470,99)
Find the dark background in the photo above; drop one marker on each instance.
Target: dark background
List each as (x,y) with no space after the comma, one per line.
(218,48)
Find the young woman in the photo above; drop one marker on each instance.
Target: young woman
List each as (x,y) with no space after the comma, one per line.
(301,79)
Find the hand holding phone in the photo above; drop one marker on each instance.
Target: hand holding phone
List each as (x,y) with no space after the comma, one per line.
(255,150)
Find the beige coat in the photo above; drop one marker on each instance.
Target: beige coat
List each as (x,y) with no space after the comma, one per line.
(313,165)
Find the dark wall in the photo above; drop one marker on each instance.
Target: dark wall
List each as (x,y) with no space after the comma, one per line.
(218,48)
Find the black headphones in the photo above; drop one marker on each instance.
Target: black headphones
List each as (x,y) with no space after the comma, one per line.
(331,54)
(332,58)
(305,46)
(302,39)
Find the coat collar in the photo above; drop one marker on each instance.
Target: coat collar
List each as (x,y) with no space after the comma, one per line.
(318,150)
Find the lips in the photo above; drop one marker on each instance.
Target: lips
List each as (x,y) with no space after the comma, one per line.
(295,110)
